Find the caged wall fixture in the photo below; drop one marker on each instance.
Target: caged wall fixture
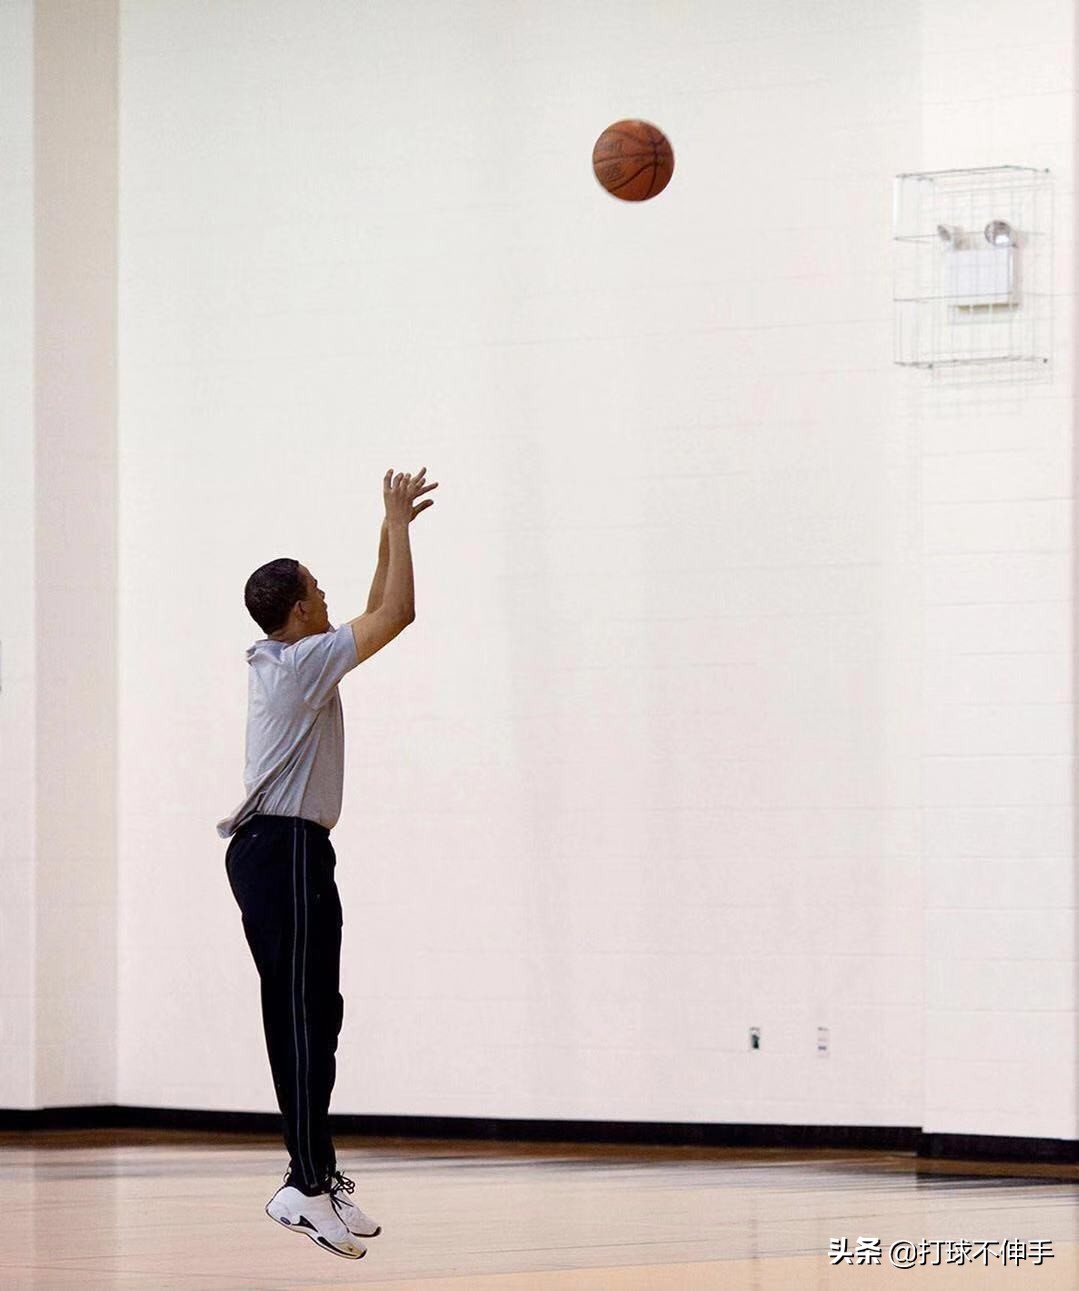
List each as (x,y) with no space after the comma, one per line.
(973,273)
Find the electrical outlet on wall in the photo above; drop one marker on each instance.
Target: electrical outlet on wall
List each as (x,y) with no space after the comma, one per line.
(822,1042)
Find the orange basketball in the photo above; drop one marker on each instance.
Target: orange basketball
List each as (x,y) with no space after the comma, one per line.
(633,160)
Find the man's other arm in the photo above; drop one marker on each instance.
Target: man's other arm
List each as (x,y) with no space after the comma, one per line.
(397,607)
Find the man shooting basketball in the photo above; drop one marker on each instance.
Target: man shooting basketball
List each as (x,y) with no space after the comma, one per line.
(280,861)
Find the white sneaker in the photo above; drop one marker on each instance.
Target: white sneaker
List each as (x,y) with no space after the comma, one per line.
(354,1218)
(315,1217)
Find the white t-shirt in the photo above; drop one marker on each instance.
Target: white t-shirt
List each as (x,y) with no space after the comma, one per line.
(295,747)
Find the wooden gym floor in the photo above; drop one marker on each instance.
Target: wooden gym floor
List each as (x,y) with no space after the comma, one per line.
(152,1211)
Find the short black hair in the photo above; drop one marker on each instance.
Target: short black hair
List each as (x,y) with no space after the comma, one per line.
(271,592)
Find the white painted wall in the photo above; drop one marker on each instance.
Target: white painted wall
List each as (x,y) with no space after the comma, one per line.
(740,687)
(644,772)
(58,525)
(76,563)
(998,529)
(17,681)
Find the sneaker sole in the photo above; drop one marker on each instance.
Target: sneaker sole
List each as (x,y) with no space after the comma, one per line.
(365,1236)
(306,1229)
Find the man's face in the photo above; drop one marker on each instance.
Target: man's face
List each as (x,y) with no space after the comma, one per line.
(315,604)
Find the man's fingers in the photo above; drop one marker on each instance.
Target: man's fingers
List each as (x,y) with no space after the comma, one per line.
(409,481)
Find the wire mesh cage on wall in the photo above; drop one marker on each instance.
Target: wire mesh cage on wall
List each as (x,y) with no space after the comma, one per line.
(973,270)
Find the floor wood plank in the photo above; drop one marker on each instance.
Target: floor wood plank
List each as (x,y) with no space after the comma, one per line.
(169,1209)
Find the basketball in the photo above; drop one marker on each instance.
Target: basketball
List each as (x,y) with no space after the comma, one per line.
(633,160)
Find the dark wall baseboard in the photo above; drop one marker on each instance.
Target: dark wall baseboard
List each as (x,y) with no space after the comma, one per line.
(881,1138)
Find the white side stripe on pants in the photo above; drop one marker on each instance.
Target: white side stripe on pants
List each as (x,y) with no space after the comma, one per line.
(308,1173)
(303,1001)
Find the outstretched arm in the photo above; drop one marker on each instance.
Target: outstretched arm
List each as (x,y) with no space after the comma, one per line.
(378,584)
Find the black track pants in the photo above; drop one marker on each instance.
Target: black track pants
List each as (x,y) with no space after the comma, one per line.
(281,871)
